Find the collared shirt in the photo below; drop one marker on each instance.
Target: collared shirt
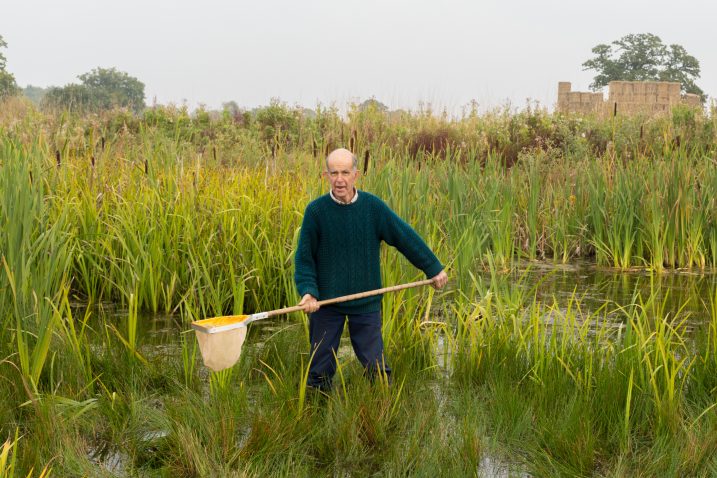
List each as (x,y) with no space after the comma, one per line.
(339,201)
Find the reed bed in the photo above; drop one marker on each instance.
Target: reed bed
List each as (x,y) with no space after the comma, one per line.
(193,216)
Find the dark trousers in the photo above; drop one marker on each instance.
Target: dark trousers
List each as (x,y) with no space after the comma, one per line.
(325,328)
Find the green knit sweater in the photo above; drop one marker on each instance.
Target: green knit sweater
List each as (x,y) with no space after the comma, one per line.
(339,250)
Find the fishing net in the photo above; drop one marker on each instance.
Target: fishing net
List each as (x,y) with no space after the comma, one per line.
(221,350)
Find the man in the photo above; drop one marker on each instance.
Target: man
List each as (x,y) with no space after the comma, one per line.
(338,254)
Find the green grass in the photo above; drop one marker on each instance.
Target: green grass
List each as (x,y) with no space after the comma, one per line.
(194,217)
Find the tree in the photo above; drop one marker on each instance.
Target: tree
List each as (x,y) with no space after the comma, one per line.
(231,108)
(71,97)
(373,103)
(101,89)
(35,93)
(643,57)
(8,87)
(112,88)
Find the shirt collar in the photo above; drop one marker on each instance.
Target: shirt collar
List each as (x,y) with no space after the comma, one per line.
(339,201)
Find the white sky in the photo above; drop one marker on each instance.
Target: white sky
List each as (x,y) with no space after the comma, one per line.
(443,52)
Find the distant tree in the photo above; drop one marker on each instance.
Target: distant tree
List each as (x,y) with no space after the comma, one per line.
(72,97)
(35,93)
(8,86)
(231,107)
(112,88)
(308,113)
(277,118)
(373,103)
(231,110)
(101,89)
(643,57)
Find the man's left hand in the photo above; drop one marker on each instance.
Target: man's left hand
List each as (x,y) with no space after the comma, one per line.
(440,280)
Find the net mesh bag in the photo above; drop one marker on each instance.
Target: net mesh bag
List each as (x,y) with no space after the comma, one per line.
(221,350)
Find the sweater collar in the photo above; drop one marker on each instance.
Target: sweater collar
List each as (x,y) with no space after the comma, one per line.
(339,201)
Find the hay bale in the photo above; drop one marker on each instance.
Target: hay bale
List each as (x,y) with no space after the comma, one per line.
(692,100)
(564,87)
(614,89)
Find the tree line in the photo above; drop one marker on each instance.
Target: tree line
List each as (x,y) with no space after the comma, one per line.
(634,57)
(98,90)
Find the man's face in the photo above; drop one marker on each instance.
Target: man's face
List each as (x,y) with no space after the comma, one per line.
(342,176)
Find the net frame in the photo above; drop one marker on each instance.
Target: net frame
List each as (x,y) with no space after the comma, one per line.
(222,350)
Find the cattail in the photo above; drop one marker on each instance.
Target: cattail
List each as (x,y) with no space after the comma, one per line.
(58,158)
(366,157)
(315,147)
(273,150)
(92,161)
(614,110)
(352,140)
(102,143)
(146,167)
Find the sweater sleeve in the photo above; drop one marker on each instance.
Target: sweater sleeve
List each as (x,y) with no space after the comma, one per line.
(397,233)
(305,258)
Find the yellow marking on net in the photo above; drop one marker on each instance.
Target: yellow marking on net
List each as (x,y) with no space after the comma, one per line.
(220,321)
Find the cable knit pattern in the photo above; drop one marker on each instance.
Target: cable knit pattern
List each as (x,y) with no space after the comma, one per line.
(339,250)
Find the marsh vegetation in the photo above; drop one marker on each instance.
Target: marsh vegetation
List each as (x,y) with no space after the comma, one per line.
(112,224)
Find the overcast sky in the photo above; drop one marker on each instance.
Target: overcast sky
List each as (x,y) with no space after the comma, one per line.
(443,52)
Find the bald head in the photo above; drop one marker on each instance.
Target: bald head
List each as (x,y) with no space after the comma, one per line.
(342,171)
(341,156)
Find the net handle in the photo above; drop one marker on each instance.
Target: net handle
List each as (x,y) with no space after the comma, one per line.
(346,298)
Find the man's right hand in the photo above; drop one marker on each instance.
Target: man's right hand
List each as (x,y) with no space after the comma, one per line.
(310,303)
(440,280)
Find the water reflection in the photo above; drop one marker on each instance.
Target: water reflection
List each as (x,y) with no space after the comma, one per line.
(684,292)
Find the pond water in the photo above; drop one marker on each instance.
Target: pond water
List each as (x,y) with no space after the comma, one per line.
(683,292)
